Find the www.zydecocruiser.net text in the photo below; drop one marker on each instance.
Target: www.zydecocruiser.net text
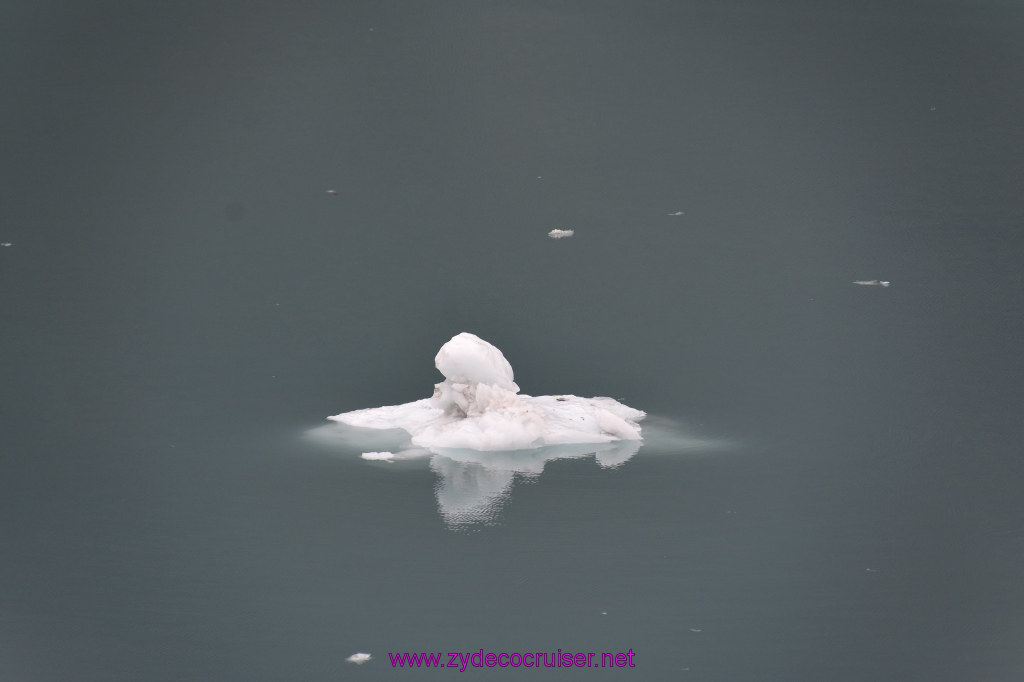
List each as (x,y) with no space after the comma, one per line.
(462,660)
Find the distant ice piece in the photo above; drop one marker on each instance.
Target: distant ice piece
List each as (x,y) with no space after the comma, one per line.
(478,407)
(561,234)
(872,283)
(677,213)
(359,658)
(379,456)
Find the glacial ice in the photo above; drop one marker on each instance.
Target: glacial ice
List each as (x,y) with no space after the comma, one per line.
(478,407)
(379,456)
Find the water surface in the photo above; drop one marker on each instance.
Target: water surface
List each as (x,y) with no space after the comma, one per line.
(183,301)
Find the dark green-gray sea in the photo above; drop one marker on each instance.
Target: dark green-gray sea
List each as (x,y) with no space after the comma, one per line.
(183,303)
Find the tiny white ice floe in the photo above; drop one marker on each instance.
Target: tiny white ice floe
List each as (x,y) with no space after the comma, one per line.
(561,234)
(333,192)
(359,658)
(379,456)
(872,283)
(677,213)
(6,244)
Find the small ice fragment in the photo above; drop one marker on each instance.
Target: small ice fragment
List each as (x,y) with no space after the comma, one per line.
(677,213)
(333,192)
(359,658)
(604,613)
(872,283)
(6,244)
(696,629)
(561,234)
(379,456)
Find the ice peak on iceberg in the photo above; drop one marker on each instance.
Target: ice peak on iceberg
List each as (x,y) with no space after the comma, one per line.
(468,359)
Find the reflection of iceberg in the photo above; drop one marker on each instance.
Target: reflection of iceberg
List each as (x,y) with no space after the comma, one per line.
(469,492)
(478,406)
(473,485)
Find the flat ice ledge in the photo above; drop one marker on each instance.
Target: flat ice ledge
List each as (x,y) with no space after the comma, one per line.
(530,422)
(478,407)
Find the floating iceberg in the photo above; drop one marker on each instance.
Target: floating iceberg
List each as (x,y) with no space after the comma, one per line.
(561,234)
(481,435)
(379,456)
(478,407)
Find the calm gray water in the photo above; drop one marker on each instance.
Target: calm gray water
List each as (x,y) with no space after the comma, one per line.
(182,303)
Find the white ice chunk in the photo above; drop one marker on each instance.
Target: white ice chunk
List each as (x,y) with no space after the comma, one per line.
(469,359)
(478,407)
(359,658)
(872,283)
(561,234)
(379,456)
